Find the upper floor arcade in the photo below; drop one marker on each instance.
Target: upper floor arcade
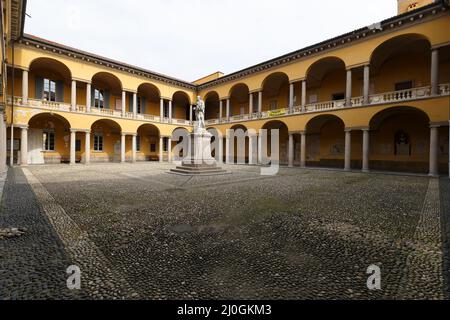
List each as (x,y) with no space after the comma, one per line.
(402,59)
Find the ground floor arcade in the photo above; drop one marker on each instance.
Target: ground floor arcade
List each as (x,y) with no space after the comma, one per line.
(400,139)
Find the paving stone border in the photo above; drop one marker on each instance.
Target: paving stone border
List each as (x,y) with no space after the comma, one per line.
(98,276)
(424,263)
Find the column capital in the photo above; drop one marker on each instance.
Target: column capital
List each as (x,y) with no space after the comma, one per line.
(127,133)
(80,130)
(349,129)
(22,126)
(438,124)
(365,129)
(81,80)
(256,90)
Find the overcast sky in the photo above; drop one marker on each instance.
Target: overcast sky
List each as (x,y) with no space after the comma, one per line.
(189,39)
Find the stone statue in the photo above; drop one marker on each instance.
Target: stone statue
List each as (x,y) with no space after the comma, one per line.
(200,114)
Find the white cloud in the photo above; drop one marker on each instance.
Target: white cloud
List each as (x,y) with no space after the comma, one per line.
(191,38)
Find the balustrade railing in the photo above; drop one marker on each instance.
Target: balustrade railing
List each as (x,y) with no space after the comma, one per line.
(386,97)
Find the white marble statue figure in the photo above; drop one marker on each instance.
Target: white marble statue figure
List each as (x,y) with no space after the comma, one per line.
(200,114)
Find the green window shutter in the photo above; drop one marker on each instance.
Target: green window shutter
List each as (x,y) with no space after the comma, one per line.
(142,105)
(130,103)
(92,96)
(39,87)
(106,93)
(60,91)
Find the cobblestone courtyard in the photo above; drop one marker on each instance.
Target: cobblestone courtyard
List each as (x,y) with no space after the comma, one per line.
(137,232)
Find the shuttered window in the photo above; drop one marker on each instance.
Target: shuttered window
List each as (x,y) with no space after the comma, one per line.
(49,93)
(98,142)
(48,139)
(99,99)
(138,143)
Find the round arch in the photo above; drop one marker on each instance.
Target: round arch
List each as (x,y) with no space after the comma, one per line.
(147,142)
(51,64)
(390,63)
(212,105)
(325,141)
(107,80)
(400,140)
(150,98)
(48,139)
(181,105)
(59,75)
(275,88)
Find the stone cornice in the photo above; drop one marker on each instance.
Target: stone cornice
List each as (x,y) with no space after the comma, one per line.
(56,48)
(384,26)
(332,44)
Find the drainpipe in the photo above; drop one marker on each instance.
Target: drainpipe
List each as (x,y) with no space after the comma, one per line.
(11,159)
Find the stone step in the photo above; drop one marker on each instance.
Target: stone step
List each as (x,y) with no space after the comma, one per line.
(188,172)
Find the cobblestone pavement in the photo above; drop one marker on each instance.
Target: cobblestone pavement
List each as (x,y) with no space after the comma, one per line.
(137,232)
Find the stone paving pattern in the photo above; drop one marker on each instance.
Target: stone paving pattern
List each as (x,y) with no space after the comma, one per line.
(303,234)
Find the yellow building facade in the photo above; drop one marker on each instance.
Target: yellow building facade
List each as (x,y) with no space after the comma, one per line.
(377,98)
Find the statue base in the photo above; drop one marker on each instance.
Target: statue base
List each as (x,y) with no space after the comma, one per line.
(199,161)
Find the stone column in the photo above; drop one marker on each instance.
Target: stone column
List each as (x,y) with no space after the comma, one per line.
(169,150)
(348,90)
(366,85)
(260,149)
(73,96)
(161,149)
(228,109)
(2,143)
(122,147)
(228,159)
(134,104)
(291,150)
(434,138)
(161,109)
(73,135)
(24,146)
(449,148)
(303,94)
(435,71)
(260,97)
(124,97)
(170,111)
(88,97)
(133,148)
(252,149)
(87,147)
(191,108)
(220,110)
(348,150)
(25,86)
(250,103)
(291,97)
(366,144)
(303,150)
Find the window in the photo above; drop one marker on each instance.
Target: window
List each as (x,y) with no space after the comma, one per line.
(138,107)
(153,147)
(165,144)
(48,139)
(98,142)
(49,93)
(138,143)
(78,145)
(338,96)
(274,105)
(166,109)
(99,99)
(403,85)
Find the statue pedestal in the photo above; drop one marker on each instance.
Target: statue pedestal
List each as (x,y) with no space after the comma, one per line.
(199,160)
